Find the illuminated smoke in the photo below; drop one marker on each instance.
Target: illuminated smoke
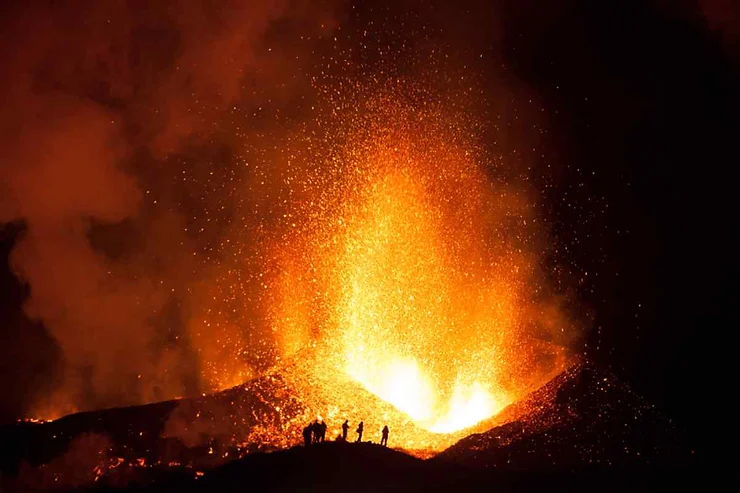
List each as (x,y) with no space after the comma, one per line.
(207,197)
(113,155)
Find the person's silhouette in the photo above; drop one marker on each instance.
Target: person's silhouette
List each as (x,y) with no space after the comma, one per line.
(322,431)
(307,435)
(345,429)
(315,431)
(384,440)
(359,432)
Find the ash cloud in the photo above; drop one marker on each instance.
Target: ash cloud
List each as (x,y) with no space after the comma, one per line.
(112,153)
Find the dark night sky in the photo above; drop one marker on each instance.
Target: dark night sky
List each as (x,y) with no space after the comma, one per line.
(641,101)
(645,98)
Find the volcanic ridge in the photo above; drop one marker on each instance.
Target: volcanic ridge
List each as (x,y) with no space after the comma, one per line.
(583,421)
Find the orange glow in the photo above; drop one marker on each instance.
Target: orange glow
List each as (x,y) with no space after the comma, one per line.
(415,277)
(404,296)
(402,287)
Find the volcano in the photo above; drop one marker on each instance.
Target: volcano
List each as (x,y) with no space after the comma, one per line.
(583,419)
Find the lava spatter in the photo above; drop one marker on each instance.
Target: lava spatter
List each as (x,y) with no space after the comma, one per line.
(413,272)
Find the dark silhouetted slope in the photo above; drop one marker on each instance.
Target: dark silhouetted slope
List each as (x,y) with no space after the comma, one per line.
(583,418)
(348,467)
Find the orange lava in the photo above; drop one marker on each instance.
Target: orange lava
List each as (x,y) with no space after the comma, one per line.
(416,275)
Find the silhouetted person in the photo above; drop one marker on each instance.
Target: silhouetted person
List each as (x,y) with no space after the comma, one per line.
(315,431)
(384,440)
(307,432)
(322,431)
(359,432)
(345,429)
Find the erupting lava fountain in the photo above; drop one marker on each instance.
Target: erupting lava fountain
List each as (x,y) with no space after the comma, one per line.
(414,268)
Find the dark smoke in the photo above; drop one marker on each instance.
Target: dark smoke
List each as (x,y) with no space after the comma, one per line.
(723,18)
(124,126)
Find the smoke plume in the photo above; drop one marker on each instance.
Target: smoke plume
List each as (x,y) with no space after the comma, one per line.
(113,155)
(162,157)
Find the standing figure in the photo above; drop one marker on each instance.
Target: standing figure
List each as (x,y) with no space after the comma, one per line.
(322,431)
(359,432)
(307,435)
(384,440)
(345,429)
(315,431)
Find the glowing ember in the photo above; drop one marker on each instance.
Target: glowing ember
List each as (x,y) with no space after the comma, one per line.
(400,282)
(415,274)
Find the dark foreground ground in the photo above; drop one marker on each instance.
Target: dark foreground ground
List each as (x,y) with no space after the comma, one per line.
(583,431)
(371,468)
